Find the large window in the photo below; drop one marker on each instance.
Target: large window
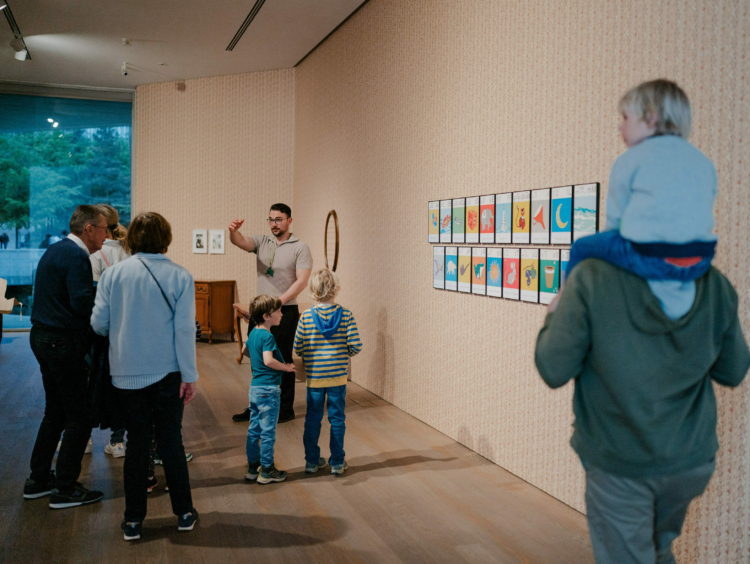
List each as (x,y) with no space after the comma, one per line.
(55,154)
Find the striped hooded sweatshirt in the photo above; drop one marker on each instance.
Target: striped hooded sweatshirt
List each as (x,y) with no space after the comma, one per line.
(326,337)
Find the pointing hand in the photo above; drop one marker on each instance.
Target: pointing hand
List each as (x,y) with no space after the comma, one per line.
(236,224)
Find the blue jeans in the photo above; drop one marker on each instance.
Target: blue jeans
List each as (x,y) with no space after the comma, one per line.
(264,414)
(336,417)
(610,246)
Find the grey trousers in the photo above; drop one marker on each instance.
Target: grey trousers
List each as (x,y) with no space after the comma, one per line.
(634,521)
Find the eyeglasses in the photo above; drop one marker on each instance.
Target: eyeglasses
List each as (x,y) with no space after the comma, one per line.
(105,227)
(277,220)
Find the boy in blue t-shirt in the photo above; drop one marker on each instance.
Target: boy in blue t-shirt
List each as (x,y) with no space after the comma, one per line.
(660,223)
(265,391)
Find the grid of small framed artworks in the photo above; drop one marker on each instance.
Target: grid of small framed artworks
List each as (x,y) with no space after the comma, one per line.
(525,274)
(548,216)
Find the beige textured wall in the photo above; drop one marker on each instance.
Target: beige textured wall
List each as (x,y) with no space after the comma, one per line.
(209,150)
(413,101)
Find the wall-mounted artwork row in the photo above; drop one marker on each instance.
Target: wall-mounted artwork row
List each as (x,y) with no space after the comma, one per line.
(547,216)
(529,274)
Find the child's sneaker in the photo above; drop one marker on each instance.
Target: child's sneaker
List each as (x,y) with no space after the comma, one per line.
(252,471)
(151,484)
(187,521)
(339,468)
(312,467)
(115,450)
(132,531)
(33,489)
(271,474)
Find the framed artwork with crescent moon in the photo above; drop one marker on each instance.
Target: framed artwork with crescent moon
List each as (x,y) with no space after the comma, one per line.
(562,216)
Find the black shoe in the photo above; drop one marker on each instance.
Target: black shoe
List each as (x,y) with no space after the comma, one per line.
(286,418)
(271,474)
(252,471)
(187,521)
(244,416)
(33,489)
(79,496)
(132,530)
(150,485)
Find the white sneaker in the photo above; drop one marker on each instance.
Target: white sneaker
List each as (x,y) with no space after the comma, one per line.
(89,447)
(117,451)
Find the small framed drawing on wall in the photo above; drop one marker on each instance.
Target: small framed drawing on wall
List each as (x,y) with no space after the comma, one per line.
(200,241)
(216,241)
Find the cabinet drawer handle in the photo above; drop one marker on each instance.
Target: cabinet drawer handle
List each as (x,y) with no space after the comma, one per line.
(201,289)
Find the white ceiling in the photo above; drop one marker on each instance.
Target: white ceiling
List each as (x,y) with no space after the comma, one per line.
(79,42)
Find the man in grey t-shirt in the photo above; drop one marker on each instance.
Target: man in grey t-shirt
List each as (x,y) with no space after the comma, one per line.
(284,266)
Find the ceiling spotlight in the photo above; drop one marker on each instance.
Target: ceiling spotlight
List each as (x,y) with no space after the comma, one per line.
(3,7)
(21,55)
(55,124)
(17,44)
(124,69)
(50,120)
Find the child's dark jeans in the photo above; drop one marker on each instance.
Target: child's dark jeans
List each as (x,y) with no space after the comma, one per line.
(611,247)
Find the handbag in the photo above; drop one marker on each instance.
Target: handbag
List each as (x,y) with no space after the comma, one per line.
(197,324)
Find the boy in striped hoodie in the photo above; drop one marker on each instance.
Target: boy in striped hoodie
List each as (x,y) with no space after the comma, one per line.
(326,337)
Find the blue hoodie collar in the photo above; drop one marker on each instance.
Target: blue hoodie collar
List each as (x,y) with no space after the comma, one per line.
(328,327)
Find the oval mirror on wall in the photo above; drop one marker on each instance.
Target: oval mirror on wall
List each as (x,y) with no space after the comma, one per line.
(331,241)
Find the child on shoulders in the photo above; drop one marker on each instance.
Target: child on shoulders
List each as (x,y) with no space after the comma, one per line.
(326,337)
(265,390)
(660,223)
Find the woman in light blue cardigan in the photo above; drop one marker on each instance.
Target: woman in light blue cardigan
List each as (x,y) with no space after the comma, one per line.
(146,305)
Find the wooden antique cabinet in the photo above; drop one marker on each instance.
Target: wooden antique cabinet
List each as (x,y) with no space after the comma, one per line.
(213,306)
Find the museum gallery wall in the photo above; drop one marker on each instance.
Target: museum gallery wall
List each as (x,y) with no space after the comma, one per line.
(209,148)
(410,102)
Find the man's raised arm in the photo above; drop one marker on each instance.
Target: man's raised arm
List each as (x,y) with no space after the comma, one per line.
(237,239)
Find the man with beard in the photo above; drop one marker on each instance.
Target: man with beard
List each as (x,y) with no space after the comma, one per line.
(284,266)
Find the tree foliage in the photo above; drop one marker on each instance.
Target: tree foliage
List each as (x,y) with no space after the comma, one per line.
(45,175)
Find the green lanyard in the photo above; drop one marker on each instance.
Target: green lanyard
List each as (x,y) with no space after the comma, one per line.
(270,263)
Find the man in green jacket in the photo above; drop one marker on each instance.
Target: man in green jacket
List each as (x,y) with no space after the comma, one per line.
(644,404)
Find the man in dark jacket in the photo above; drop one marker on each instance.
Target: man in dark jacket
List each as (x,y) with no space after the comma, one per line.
(644,405)
(63,300)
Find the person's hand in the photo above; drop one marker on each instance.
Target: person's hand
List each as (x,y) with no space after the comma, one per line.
(291,368)
(187,392)
(235,224)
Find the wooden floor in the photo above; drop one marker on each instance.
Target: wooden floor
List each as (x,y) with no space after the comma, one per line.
(411,494)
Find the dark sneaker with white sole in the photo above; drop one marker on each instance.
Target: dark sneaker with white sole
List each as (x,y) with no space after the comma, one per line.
(271,474)
(252,471)
(34,490)
(312,467)
(339,469)
(151,484)
(79,496)
(132,531)
(187,521)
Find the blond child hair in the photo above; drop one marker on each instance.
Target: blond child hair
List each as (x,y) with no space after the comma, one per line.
(324,285)
(665,101)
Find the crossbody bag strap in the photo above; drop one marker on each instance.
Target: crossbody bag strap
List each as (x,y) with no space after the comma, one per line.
(105,258)
(157,283)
